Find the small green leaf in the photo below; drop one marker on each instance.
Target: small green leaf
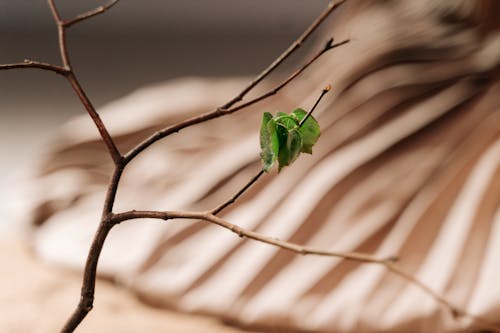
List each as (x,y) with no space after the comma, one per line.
(309,131)
(282,140)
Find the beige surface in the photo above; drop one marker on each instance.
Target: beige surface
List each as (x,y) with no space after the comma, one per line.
(37,298)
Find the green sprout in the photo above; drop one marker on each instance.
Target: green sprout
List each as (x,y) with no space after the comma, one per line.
(284,136)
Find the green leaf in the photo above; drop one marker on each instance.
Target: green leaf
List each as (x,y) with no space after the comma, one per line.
(268,149)
(309,131)
(282,140)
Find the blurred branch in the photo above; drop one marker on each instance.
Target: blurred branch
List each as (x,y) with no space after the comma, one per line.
(89,14)
(219,112)
(289,51)
(35,64)
(242,232)
(254,179)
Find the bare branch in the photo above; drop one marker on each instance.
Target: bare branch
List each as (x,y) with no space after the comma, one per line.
(89,14)
(70,75)
(242,232)
(90,272)
(106,137)
(388,262)
(290,50)
(235,197)
(283,84)
(35,64)
(221,111)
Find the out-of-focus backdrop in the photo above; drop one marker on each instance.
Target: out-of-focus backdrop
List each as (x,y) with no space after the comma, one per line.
(135,44)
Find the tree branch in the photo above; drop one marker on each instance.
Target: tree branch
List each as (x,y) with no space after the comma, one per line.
(235,197)
(388,262)
(35,64)
(89,14)
(90,271)
(75,84)
(289,51)
(254,179)
(242,232)
(106,137)
(221,111)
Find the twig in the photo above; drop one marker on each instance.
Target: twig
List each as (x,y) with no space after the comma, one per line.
(89,14)
(254,179)
(328,46)
(388,262)
(235,197)
(35,64)
(290,50)
(73,80)
(221,111)
(90,271)
(323,93)
(242,232)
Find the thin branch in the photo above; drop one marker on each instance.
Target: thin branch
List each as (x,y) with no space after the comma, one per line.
(323,93)
(75,84)
(254,179)
(35,64)
(61,32)
(388,262)
(242,232)
(89,14)
(90,272)
(235,197)
(290,50)
(221,111)
(106,137)
(328,46)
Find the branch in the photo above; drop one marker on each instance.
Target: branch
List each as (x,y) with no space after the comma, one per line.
(388,262)
(75,84)
(235,197)
(89,14)
(90,272)
(291,49)
(242,232)
(328,46)
(231,200)
(222,111)
(35,64)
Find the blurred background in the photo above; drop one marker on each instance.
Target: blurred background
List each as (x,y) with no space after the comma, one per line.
(135,44)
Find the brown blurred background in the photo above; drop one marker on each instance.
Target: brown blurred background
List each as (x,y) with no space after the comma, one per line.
(135,44)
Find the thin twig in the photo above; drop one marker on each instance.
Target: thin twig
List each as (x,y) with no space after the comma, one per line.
(323,93)
(235,197)
(388,262)
(328,46)
(242,232)
(106,137)
(35,64)
(89,14)
(90,271)
(219,112)
(75,84)
(254,179)
(290,50)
